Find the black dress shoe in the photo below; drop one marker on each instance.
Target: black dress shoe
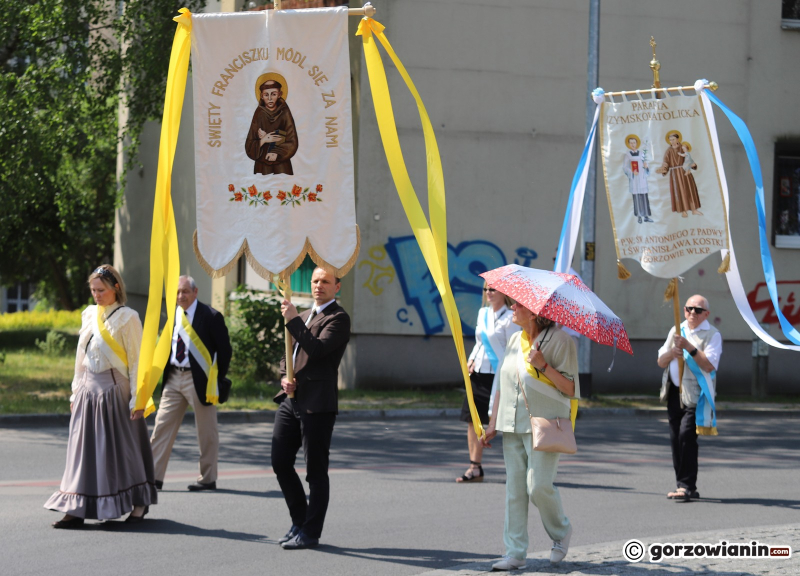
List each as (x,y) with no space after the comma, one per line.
(159,484)
(71,523)
(197,486)
(131,519)
(300,542)
(290,534)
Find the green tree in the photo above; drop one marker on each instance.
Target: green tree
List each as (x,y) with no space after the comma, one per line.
(64,67)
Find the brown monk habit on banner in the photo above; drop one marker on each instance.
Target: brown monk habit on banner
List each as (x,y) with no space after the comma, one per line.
(682,187)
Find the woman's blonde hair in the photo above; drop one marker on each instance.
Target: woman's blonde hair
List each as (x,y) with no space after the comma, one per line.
(485,301)
(111,278)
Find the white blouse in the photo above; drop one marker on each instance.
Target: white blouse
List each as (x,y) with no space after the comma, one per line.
(126,328)
(499,332)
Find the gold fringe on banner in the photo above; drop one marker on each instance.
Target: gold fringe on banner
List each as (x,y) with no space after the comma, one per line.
(308,249)
(726,264)
(706,430)
(669,294)
(622,272)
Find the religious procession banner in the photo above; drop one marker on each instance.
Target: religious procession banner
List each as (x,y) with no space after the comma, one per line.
(667,190)
(273,140)
(663,188)
(273,158)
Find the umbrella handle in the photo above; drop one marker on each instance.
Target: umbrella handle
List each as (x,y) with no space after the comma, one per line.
(613,354)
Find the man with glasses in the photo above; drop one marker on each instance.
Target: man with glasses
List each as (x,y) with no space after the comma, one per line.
(700,343)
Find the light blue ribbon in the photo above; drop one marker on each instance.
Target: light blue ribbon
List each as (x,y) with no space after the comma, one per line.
(487,346)
(706,400)
(766,258)
(578,172)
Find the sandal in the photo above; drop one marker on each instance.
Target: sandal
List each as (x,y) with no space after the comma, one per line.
(469,475)
(683,495)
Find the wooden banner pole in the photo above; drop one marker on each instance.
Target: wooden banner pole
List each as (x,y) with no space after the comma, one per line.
(676,308)
(367,10)
(284,284)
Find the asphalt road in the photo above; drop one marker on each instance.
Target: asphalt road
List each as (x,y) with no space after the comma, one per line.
(395,508)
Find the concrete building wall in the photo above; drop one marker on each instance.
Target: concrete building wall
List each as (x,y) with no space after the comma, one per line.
(504,83)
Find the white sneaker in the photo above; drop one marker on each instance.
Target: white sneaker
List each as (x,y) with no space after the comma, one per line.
(560,548)
(508,563)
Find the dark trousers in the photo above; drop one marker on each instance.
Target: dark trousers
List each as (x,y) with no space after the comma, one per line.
(313,432)
(683,437)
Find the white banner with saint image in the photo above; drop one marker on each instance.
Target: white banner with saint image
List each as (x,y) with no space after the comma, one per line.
(664,192)
(273,140)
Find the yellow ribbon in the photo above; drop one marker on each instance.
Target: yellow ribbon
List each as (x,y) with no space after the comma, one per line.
(432,239)
(525,346)
(164,257)
(108,338)
(212,390)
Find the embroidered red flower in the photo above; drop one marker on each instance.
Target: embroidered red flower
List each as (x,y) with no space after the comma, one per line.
(237,196)
(231,187)
(253,190)
(281,195)
(267,195)
(312,197)
(319,188)
(296,190)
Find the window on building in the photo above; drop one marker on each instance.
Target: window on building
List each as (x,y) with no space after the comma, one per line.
(301,278)
(786,197)
(17,298)
(790,15)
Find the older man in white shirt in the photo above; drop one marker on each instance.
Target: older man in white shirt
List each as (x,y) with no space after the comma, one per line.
(703,344)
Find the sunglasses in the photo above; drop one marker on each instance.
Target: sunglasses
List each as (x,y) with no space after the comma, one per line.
(489,290)
(695,309)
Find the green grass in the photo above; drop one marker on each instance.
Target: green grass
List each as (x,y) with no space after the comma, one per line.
(32,383)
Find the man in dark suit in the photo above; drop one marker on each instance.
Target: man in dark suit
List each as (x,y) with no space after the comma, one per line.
(321,335)
(185,382)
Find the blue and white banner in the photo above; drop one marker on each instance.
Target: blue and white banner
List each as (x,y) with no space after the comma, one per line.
(637,170)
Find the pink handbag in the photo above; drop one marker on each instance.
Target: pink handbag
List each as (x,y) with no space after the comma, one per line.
(550,434)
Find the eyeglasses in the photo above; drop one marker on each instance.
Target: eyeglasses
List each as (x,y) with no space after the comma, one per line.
(489,290)
(105,273)
(695,309)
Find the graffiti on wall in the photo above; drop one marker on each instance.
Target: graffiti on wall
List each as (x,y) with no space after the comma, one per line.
(465,262)
(379,270)
(760,301)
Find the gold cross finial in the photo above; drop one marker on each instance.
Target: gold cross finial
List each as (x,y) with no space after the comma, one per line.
(655,65)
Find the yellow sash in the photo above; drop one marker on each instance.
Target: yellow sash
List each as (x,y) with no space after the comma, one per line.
(108,339)
(432,239)
(525,346)
(209,367)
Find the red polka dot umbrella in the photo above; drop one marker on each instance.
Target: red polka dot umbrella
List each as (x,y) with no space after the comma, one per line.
(563,298)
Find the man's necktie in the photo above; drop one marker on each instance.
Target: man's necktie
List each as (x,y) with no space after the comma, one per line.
(308,321)
(311,318)
(180,350)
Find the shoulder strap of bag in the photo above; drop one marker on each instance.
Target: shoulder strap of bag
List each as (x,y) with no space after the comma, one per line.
(85,350)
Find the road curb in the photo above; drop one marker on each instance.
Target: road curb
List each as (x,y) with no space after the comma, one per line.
(260,416)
